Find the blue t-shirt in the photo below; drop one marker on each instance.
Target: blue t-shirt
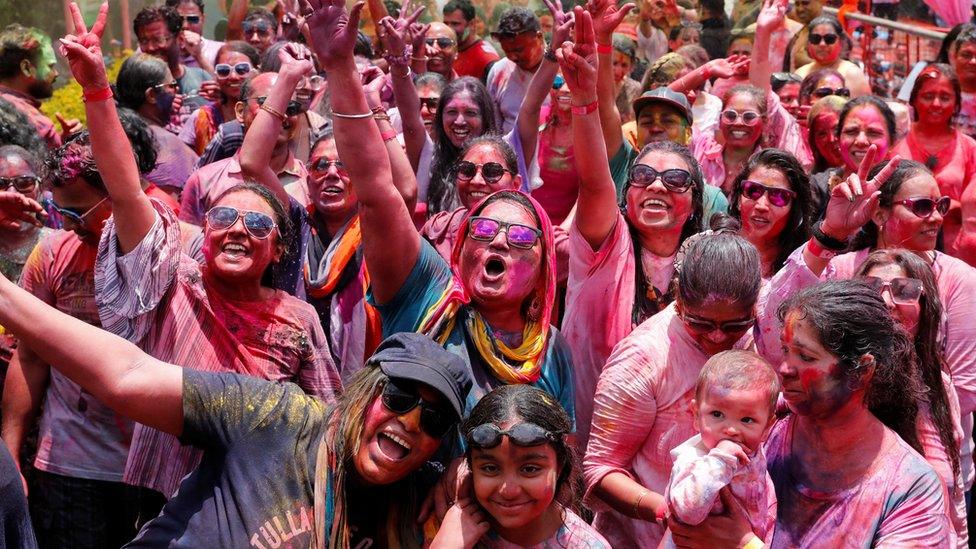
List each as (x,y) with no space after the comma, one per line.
(430,277)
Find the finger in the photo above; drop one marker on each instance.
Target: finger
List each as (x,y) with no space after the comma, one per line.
(62,121)
(882,177)
(305,7)
(354,14)
(99,27)
(416,15)
(77,19)
(623,12)
(867,162)
(843,191)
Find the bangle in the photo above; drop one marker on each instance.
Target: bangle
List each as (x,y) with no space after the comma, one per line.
(424,58)
(404,74)
(388,135)
(826,241)
(604,48)
(379,113)
(637,502)
(817,250)
(277,114)
(583,110)
(96,96)
(754,543)
(706,72)
(549,55)
(353,116)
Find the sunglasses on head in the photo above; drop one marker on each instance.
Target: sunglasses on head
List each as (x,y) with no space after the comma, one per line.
(486,229)
(675,179)
(442,43)
(776,196)
(20,183)
(294,107)
(259,225)
(242,69)
(489,436)
(924,207)
(262,29)
(749,118)
(820,93)
(72,214)
(322,165)
(903,291)
(401,398)
(703,326)
(780,78)
(430,103)
(828,39)
(491,172)
(192,19)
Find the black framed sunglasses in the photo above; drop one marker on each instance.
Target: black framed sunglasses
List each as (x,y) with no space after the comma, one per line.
(262,29)
(174,84)
(430,103)
(828,39)
(486,229)
(192,19)
(754,190)
(400,399)
(72,214)
(820,93)
(675,179)
(322,165)
(703,326)
(903,290)
(259,225)
(783,78)
(925,207)
(491,172)
(294,107)
(442,43)
(242,69)
(20,183)
(488,435)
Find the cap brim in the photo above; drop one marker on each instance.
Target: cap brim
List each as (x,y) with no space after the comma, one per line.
(642,102)
(432,377)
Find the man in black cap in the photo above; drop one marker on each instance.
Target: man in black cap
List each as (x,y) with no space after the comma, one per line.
(520,36)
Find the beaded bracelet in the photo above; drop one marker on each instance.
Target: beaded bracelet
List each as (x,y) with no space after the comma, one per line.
(401,60)
(275,113)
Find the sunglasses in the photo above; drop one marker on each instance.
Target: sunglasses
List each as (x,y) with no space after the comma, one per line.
(491,172)
(192,19)
(749,118)
(174,84)
(558,82)
(524,434)
(435,420)
(430,103)
(242,69)
(154,40)
(486,229)
(322,165)
(442,43)
(903,291)
(20,183)
(675,179)
(71,214)
(828,39)
(776,196)
(261,29)
(259,225)
(294,107)
(702,326)
(924,207)
(820,93)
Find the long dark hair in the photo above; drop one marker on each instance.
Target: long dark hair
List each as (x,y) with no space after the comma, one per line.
(851,320)
(797,229)
(442,194)
(867,237)
(931,362)
(810,83)
(648,300)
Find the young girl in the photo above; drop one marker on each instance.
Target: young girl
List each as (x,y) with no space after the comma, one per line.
(735,398)
(524,472)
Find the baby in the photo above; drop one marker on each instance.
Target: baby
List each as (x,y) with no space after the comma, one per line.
(735,399)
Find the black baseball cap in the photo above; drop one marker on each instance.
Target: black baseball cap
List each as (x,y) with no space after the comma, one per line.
(416,357)
(516,21)
(666,96)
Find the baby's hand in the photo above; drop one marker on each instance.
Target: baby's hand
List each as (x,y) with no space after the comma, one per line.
(734,448)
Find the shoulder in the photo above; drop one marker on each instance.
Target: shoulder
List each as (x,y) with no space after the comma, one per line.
(575,533)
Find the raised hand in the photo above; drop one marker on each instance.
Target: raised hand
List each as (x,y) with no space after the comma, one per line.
(83,49)
(854,201)
(728,67)
(16,208)
(562,23)
(332,31)
(295,59)
(373,82)
(606,16)
(578,59)
(69,127)
(210,91)
(772,14)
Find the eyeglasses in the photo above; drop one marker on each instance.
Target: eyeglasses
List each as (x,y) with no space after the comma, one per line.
(781,78)
(486,229)
(20,183)
(155,40)
(174,85)
(702,326)
(192,19)
(430,103)
(828,39)
(242,69)
(491,172)
(820,93)
(749,118)
(558,82)
(322,165)
(262,29)
(442,43)
(294,107)
(924,207)
(259,225)
(488,435)
(435,420)
(71,214)
(675,179)
(903,291)
(776,196)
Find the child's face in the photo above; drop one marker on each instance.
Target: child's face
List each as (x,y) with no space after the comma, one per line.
(514,484)
(742,416)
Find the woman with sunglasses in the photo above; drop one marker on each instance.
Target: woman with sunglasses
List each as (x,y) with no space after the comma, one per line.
(910,291)
(826,42)
(221,314)
(236,60)
(524,472)
(821,83)
(933,141)
(822,138)
(771,199)
(19,172)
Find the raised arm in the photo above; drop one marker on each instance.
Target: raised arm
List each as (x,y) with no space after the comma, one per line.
(235,19)
(769,46)
(134,214)
(606,18)
(115,371)
(596,207)
(259,141)
(394,36)
(403,174)
(391,245)
(716,68)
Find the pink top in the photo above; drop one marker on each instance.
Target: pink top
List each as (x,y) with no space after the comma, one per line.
(898,502)
(641,412)
(442,230)
(557,168)
(698,475)
(575,533)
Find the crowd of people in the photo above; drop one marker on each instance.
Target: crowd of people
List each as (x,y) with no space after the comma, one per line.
(615,276)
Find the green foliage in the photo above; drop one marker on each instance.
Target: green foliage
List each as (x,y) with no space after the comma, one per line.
(67,99)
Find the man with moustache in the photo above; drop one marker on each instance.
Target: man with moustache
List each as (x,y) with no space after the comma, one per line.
(475,55)
(195,50)
(158,30)
(442,50)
